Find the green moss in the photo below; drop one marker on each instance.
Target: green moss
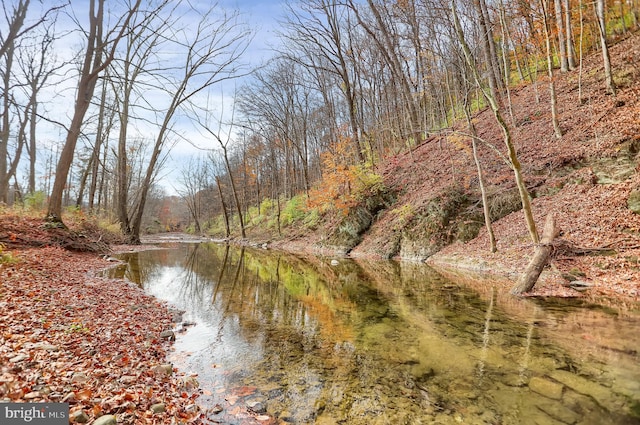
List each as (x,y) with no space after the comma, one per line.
(6,257)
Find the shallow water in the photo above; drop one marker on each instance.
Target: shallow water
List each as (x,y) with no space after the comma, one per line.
(387,342)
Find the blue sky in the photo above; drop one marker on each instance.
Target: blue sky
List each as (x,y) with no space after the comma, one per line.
(260,16)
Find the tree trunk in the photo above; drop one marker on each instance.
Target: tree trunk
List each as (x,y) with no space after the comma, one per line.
(388,50)
(86,86)
(234,192)
(602,29)
(540,258)
(92,66)
(135,223)
(483,191)
(513,155)
(5,132)
(223,205)
(552,84)
(571,53)
(122,176)
(562,42)
(83,183)
(580,53)
(486,50)
(32,147)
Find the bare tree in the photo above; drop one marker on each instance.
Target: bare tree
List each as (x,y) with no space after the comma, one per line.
(488,47)
(280,98)
(512,154)
(481,180)
(143,42)
(224,142)
(606,59)
(552,84)
(194,180)
(100,51)
(19,45)
(212,49)
(16,22)
(318,41)
(37,64)
(382,32)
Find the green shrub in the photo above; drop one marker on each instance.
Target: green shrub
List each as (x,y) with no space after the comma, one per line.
(294,210)
(312,219)
(6,257)
(35,201)
(368,183)
(267,206)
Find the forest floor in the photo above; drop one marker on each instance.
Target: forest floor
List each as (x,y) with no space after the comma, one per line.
(589,179)
(68,333)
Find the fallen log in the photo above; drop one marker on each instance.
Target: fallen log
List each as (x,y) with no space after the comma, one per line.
(540,258)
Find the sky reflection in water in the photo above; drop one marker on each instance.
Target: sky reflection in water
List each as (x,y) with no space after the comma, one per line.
(386,342)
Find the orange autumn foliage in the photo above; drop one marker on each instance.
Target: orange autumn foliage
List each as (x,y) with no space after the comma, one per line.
(343,184)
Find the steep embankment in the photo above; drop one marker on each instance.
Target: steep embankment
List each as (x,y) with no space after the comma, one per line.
(588,179)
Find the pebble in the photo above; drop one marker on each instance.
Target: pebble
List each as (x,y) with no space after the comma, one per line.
(256,407)
(106,420)
(164,369)
(79,416)
(18,358)
(79,377)
(170,335)
(158,408)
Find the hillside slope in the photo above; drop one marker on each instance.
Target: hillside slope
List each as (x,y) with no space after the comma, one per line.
(589,179)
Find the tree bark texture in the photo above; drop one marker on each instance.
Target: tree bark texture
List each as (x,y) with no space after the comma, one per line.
(562,42)
(540,258)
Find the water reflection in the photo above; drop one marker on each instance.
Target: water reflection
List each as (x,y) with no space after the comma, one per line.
(387,342)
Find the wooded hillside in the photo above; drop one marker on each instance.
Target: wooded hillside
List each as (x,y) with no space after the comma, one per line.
(393,128)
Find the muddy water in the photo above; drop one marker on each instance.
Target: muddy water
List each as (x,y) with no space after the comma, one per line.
(387,343)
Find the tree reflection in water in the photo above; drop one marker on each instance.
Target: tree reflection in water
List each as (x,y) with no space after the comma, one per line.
(386,342)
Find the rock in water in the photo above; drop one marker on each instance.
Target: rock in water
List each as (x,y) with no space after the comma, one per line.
(168,335)
(256,407)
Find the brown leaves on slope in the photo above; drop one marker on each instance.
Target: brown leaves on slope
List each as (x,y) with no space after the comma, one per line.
(24,231)
(600,133)
(68,336)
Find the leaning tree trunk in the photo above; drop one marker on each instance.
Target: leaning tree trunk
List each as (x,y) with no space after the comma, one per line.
(540,258)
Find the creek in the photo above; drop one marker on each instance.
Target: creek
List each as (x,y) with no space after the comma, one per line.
(321,340)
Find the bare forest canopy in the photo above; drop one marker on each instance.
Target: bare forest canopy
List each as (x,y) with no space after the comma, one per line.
(349,85)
